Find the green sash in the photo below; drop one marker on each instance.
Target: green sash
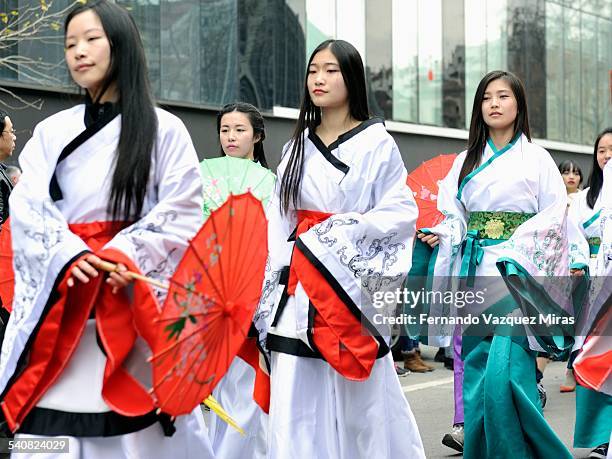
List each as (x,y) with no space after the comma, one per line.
(594,243)
(486,229)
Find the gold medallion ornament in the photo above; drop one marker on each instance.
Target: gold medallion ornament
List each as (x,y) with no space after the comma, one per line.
(494,228)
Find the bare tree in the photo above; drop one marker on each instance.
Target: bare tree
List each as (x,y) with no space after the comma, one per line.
(24,30)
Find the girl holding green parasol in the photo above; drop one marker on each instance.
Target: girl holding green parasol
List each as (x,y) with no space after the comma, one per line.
(242,167)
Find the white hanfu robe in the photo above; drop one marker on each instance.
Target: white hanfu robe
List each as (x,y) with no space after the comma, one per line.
(105,402)
(600,292)
(539,246)
(316,410)
(235,390)
(235,394)
(503,417)
(587,220)
(592,365)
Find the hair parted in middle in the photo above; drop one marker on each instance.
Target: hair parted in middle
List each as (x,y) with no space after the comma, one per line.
(257,123)
(479,131)
(571,165)
(128,72)
(353,74)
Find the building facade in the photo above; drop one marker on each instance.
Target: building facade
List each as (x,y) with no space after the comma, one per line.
(423,59)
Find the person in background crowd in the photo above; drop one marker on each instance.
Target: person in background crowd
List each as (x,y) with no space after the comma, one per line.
(7,146)
(412,356)
(241,131)
(14,173)
(593,408)
(572,177)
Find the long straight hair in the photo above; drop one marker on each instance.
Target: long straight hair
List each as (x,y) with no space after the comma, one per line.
(128,72)
(257,123)
(479,131)
(351,67)
(595,181)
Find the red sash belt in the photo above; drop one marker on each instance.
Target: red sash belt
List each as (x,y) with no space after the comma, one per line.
(337,333)
(7,276)
(249,352)
(119,321)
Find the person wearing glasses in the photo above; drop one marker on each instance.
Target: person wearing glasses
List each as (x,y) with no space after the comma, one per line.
(7,146)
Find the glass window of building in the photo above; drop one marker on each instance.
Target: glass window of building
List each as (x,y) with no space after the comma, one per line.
(405,61)
(379,57)
(423,58)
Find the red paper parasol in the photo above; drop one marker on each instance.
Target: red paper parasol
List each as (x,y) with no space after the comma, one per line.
(7,276)
(423,181)
(210,304)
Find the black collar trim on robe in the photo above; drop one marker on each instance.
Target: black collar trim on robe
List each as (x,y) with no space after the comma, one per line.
(96,117)
(53,423)
(326,151)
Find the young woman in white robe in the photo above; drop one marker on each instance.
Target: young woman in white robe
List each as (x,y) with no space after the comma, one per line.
(502,221)
(572,178)
(593,409)
(113,179)
(341,222)
(241,132)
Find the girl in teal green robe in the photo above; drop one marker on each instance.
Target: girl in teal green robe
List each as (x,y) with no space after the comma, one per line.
(505,207)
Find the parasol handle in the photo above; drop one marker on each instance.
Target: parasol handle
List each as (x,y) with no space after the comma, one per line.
(216,407)
(112,267)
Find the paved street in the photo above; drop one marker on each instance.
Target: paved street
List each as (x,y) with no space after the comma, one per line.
(431,399)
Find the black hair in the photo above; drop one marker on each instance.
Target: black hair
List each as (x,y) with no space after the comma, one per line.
(570,165)
(479,131)
(3,116)
(351,67)
(128,72)
(595,181)
(257,123)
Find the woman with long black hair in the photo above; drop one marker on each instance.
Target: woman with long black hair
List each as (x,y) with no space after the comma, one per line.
(341,222)
(112,179)
(593,409)
(505,234)
(241,131)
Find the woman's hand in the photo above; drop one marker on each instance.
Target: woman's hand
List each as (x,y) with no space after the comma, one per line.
(118,278)
(83,270)
(430,239)
(88,266)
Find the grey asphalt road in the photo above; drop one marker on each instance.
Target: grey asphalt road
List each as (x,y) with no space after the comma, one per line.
(431,398)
